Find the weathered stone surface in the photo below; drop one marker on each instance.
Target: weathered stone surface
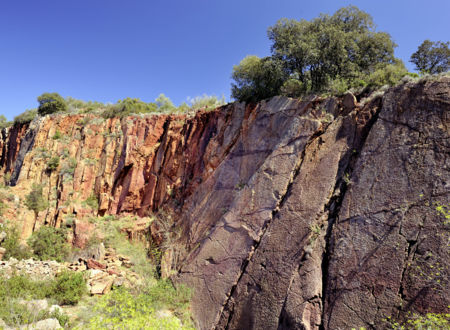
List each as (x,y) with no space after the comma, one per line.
(83,231)
(47,324)
(101,286)
(389,239)
(94,264)
(295,214)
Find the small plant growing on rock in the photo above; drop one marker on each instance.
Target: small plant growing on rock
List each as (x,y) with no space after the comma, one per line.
(57,135)
(92,202)
(52,164)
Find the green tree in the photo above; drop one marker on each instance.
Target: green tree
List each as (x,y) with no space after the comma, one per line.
(35,200)
(164,104)
(51,103)
(344,45)
(257,78)
(432,57)
(4,122)
(327,53)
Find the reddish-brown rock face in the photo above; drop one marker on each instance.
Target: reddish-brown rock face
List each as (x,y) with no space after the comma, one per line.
(295,214)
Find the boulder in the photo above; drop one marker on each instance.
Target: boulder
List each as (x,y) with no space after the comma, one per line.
(94,264)
(83,231)
(349,103)
(101,286)
(47,324)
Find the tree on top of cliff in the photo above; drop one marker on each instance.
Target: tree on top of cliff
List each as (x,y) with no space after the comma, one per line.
(51,103)
(257,78)
(344,47)
(432,57)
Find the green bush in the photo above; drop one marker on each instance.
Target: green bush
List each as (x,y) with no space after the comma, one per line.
(49,243)
(57,135)
(293,88)
(387,75)
(123,310)
(68,167)
(66,288)
(52,163)
(128,107)
(25,117)
(69,288)
(51,103)
(4,122)
(92,202)
(12,244)
(35,200)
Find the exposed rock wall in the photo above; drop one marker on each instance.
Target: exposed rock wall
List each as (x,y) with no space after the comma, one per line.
(307,214)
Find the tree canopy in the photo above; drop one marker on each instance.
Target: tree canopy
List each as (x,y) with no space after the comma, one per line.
(51,103)
(432,57)
(257,78)
(35,200)
(313,55)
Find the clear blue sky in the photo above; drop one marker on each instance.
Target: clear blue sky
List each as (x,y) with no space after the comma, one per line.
(107,50)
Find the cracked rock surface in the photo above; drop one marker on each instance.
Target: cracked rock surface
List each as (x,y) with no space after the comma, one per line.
(295,214)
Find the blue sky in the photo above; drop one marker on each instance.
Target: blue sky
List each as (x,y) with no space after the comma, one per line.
(107,50)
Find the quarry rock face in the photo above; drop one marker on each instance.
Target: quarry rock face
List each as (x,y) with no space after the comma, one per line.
(292,214)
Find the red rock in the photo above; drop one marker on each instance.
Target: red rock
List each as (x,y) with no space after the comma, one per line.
(113,272)
(94,264)
(83,231)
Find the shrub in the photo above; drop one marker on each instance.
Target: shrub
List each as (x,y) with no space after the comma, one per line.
(35,200)
(49,243)
(69,288)
(128,107)
(387,75)
(4,122)
(57,135)
(92,202)
(205,102)
(122,310)
(51,103)
(25,117)
(52,163)
(68,167)
(12,244)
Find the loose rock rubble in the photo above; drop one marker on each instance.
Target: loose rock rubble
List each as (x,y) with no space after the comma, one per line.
(101,274)
(36,269)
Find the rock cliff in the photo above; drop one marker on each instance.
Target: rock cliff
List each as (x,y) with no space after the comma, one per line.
(293,214)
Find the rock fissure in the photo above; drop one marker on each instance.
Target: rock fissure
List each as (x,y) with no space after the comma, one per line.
(275,211)
(291,218)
